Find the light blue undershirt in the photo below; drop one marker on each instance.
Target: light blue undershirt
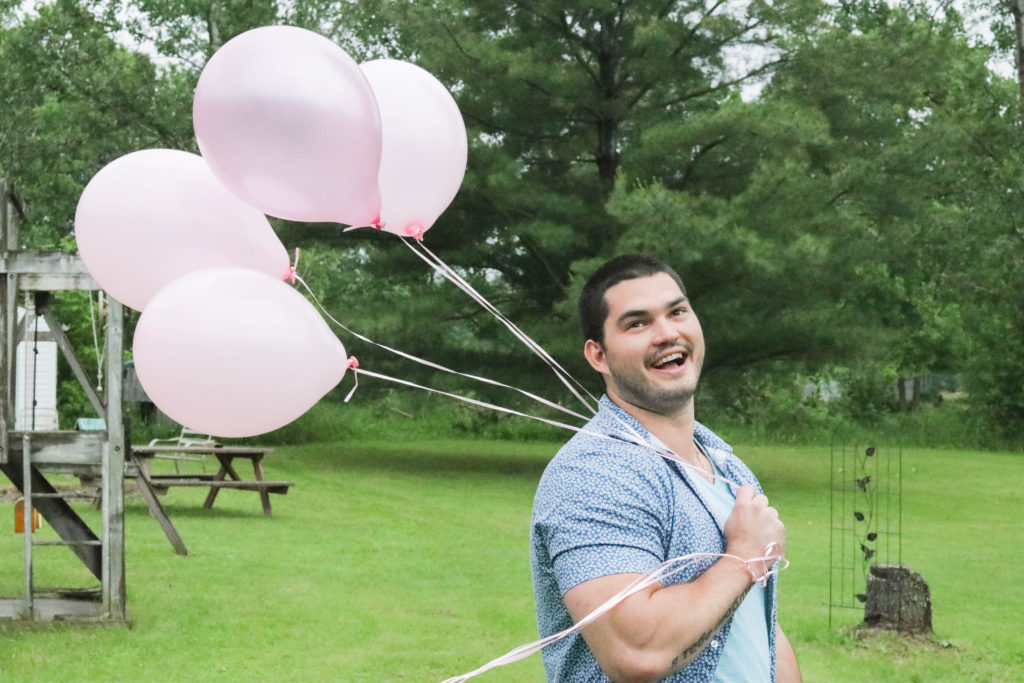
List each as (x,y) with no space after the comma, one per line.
(745,657)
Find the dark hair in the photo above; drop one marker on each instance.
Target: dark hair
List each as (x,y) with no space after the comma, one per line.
(593,309)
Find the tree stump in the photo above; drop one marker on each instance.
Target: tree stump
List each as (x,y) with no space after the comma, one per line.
(898,599)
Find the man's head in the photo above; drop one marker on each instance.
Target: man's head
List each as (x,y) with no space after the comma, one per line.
(593,308)
(641,334)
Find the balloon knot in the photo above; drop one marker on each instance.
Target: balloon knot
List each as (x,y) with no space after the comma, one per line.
(415,230)
(352,365)
(376,222)
(293,270)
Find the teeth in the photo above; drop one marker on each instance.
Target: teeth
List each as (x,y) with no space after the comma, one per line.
(668,359)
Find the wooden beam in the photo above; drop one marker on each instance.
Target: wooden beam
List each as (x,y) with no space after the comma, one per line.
(114,594)
(10,314)
(8,283)
(156,510)
(76,367)
(35,261)
(54,282)
(6,390)
(47,271)
(6,328)
(59,448)
(7,224)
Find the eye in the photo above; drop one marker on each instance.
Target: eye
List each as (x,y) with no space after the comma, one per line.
(680,310)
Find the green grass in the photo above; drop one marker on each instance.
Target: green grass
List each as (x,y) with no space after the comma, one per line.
(392,562)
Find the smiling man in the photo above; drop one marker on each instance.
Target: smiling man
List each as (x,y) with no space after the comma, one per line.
(609,510)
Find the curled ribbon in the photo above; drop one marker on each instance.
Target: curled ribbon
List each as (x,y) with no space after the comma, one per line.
(766,564)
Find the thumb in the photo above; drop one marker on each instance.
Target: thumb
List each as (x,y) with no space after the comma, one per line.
(745,493)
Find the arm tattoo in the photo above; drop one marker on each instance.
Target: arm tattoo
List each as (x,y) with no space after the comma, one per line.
(691,652)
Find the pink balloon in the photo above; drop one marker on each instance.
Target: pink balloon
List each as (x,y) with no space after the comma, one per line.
(424,154)
(287,121)
(233,352)
(149,217)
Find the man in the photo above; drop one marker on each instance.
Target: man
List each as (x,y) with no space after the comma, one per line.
(609,510)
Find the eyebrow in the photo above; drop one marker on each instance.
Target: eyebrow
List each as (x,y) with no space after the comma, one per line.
(640,313)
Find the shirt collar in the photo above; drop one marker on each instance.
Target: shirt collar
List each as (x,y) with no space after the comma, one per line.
(619,420)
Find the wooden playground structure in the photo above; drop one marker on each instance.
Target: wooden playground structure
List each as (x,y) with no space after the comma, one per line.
(28,457)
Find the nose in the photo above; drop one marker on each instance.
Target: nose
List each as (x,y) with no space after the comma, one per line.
(663,330)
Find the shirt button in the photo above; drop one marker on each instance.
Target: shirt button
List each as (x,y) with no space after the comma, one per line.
(714,643)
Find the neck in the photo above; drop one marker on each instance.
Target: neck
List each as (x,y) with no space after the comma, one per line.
(675,430)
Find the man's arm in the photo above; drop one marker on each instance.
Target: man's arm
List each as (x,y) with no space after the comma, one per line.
(786,668)
(660,630)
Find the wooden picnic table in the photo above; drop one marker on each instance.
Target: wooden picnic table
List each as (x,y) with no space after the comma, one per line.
(226,477)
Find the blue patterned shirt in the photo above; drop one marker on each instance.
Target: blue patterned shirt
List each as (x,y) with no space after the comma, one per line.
(609,507)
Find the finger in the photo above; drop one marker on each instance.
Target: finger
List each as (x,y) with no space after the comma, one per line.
(745,493)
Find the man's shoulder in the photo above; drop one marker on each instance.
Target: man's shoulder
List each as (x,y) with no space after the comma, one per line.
(600,445)
(591,468)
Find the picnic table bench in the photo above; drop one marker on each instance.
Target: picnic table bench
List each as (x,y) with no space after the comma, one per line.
(227,476)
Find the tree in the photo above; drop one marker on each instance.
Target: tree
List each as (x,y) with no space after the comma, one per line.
(73,100)
(556,98)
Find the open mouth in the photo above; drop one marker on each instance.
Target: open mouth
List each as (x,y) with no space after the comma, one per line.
(670,361)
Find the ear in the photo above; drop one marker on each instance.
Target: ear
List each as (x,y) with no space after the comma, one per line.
(594,354)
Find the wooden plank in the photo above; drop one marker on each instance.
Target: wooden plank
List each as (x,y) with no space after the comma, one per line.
(236,451)
(7,325)
(197,477)
(279,487)
(156,510)
(46,271)
(51,609)
(54,282)
(114,593)
(3,438)
(57,448)
(37,261)
(76,367)
(10,314)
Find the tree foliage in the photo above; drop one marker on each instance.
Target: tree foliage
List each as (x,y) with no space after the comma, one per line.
(838,183)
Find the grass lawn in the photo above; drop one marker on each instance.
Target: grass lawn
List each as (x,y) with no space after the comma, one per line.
(392,562)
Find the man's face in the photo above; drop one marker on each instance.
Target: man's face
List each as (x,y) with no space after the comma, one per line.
(653,345)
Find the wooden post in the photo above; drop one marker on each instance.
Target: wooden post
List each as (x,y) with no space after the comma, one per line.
(9,314)
(26,492)
(113,469)
(6,395)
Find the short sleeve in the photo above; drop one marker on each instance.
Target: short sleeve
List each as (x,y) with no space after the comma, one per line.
(602,515)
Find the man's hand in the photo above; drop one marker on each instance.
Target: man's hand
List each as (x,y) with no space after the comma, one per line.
(753,525)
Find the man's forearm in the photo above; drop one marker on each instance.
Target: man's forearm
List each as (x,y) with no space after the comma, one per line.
(691,652)
(661,630)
